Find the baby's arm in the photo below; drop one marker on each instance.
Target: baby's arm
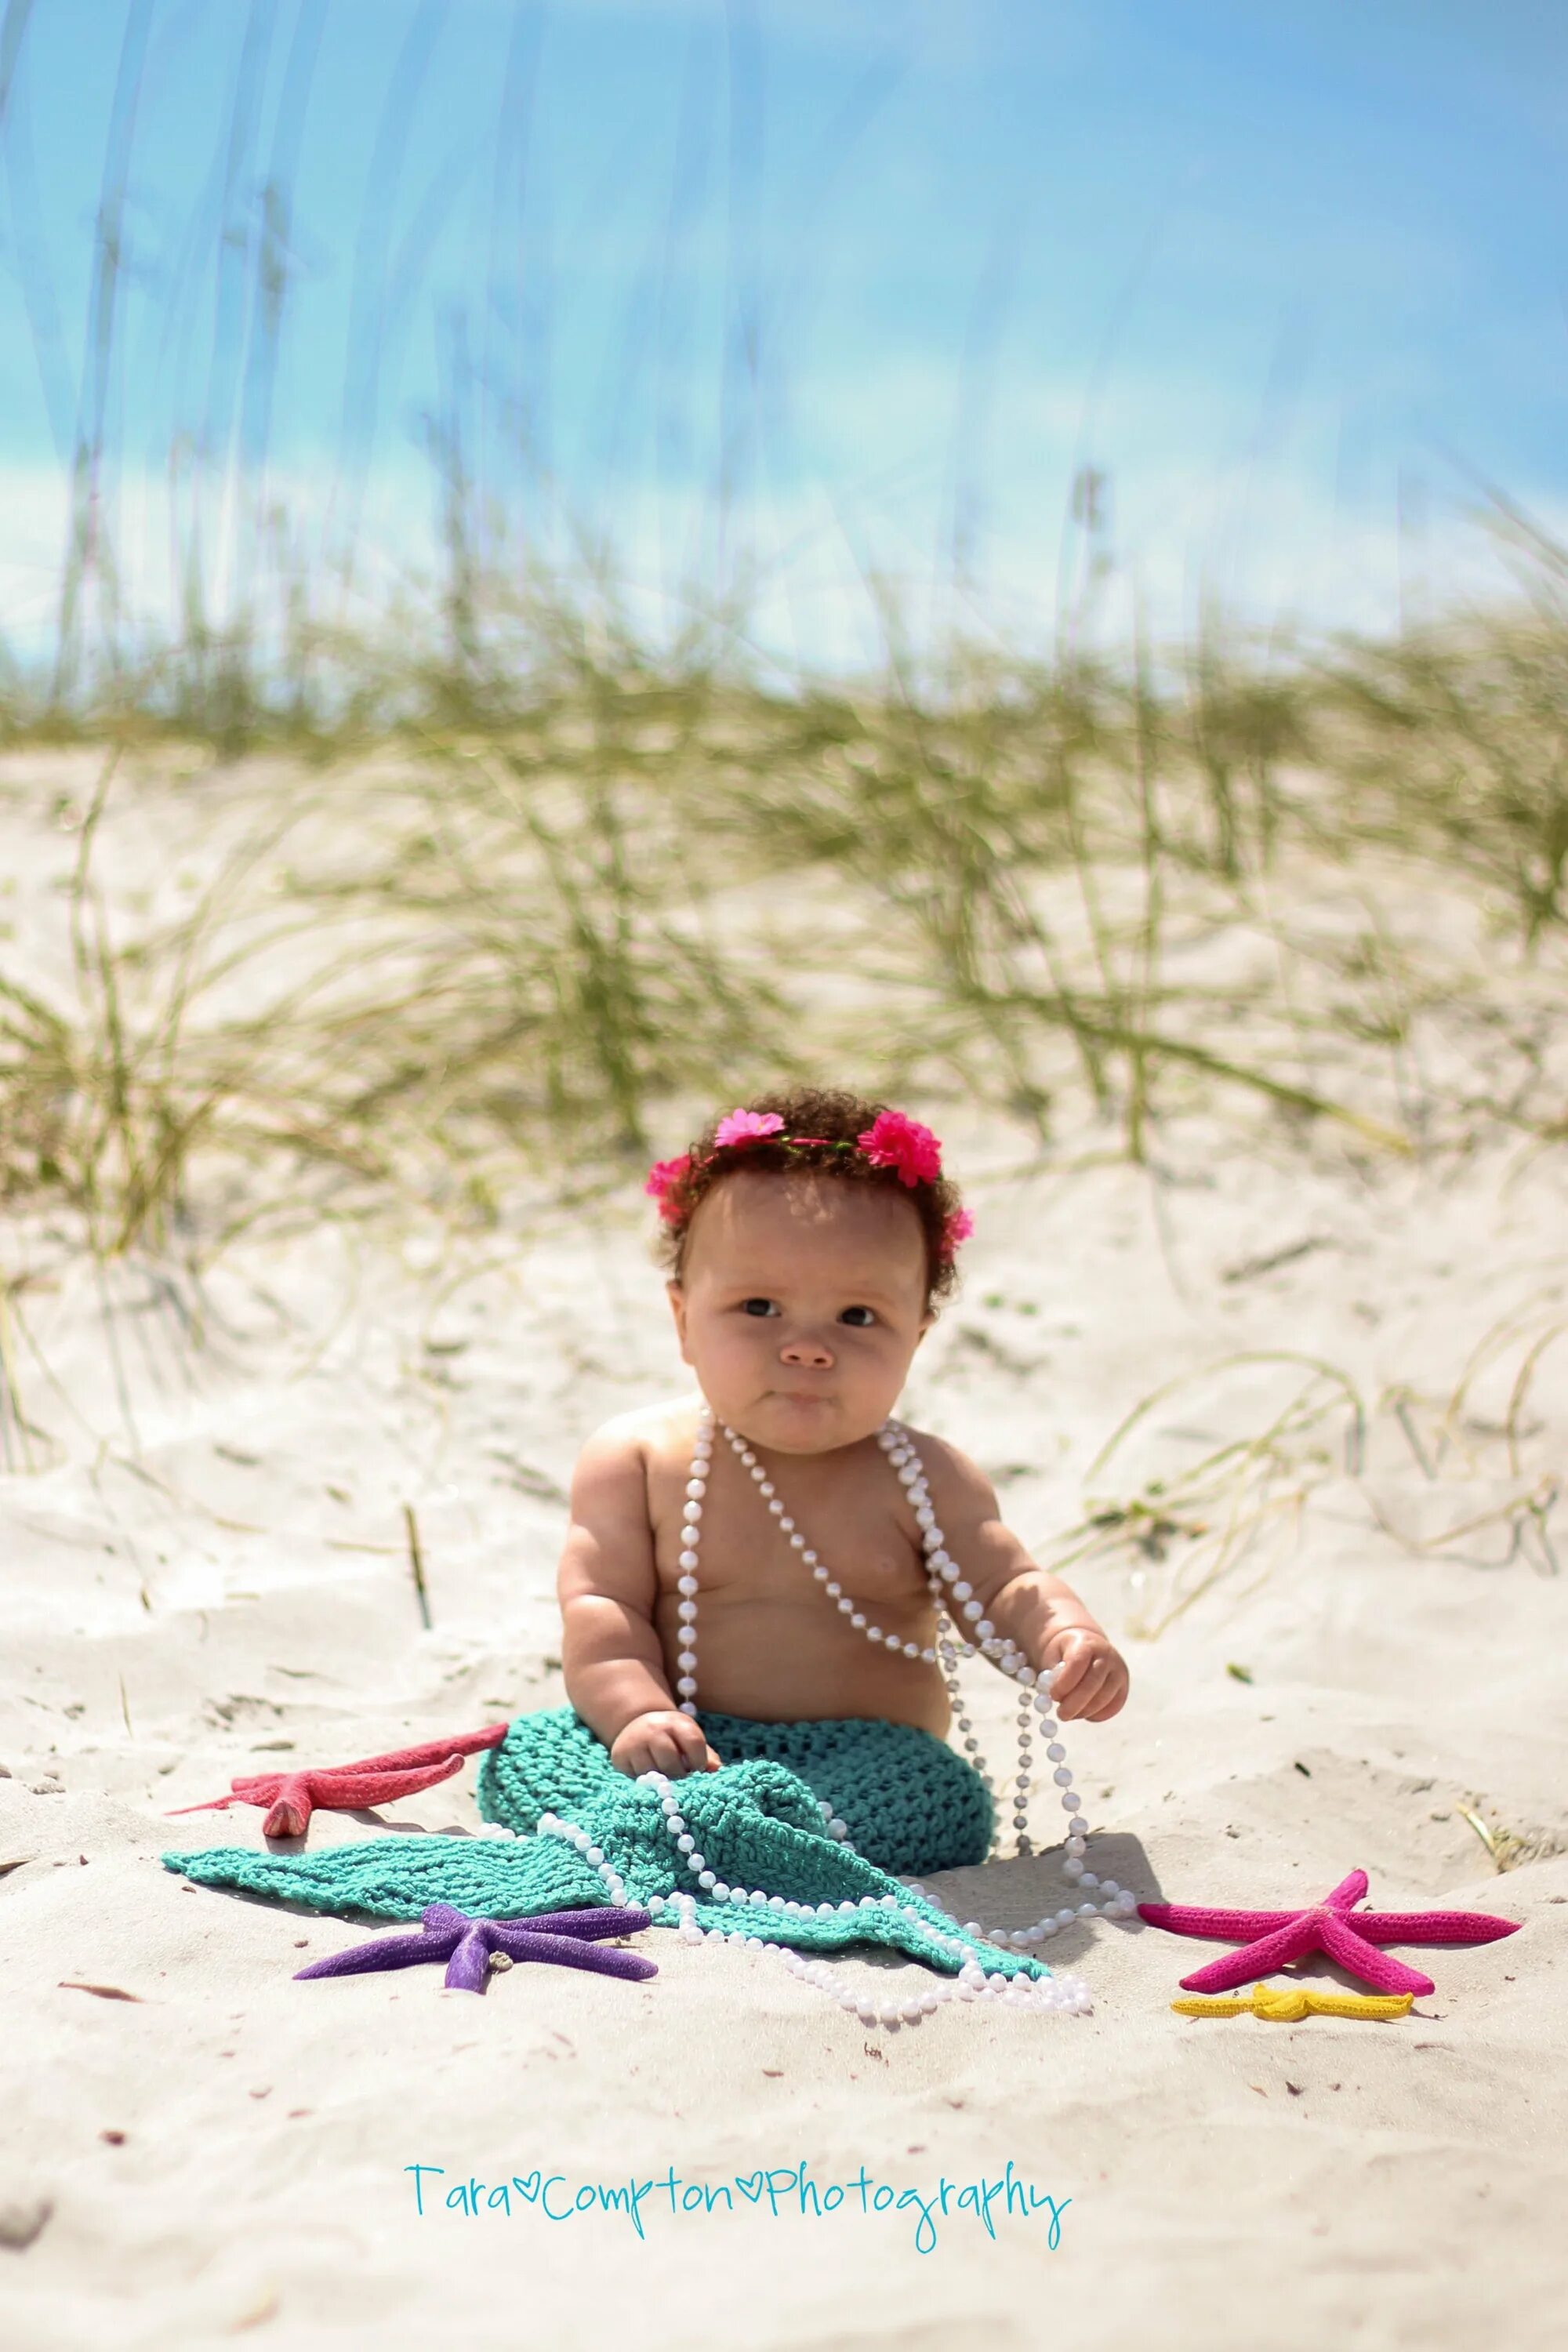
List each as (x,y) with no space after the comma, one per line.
(607,1584)
(1044,1616)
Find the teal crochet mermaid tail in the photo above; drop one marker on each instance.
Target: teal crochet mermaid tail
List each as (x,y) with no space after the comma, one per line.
(909,1803)
(906,1801)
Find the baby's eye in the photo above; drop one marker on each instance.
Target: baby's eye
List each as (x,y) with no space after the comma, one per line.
(860,1316)
(757,1306)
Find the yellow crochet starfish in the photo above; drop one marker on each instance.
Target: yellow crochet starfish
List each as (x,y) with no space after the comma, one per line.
(1288,2003)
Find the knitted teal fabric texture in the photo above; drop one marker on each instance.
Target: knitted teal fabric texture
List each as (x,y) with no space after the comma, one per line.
(909,1802)
(904,1797)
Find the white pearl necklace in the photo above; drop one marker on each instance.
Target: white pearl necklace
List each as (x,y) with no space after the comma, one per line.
(941,1570)
(1062,1995)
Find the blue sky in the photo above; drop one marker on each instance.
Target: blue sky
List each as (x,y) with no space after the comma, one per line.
(803,293)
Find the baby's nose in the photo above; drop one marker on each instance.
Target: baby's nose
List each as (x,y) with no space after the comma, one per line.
(807,1350)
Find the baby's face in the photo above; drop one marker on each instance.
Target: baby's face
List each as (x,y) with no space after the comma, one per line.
(800,1306)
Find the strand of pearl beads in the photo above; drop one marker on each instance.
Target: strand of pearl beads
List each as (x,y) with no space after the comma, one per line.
(951,1642)
(1065,1995)
(1061,1994)
(941,1569)
(896,1444)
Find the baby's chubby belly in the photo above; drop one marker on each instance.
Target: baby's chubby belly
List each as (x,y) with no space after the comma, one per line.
(779,1659)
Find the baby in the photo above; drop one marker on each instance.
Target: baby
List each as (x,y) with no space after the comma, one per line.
(807,1239)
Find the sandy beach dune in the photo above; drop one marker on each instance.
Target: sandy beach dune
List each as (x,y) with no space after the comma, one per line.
(1347,1648)
(227,2151)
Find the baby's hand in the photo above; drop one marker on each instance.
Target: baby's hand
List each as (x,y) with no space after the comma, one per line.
(1093,1683)
(664,1740)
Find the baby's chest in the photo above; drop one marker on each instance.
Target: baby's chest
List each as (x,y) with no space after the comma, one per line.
(745,1552)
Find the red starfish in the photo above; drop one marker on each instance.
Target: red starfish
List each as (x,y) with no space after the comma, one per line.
(341,1788)
(1349,1936)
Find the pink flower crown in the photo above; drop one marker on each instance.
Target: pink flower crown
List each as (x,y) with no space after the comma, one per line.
(891,1141)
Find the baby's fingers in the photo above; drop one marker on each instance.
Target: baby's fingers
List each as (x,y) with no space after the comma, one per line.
(665,1755)
(1070,1670)
(1080,1689)
(696,1756)
(1111,1696)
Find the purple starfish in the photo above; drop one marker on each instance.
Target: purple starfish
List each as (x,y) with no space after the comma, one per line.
(569,1938)
(1333,1926)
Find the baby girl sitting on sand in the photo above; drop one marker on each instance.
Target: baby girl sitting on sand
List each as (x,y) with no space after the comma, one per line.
(808,1238)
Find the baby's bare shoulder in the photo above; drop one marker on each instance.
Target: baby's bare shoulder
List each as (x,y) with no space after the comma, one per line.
(609,1547)
(634,1442)
(949,1472)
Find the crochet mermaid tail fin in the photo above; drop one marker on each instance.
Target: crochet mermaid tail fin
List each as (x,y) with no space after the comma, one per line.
(757,1825)
(399,1877)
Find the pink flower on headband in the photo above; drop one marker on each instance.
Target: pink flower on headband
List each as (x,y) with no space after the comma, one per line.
(662,1179)
(958,1228)
(747,1126)
(894,1141)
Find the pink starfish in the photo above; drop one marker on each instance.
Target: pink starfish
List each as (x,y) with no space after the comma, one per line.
(341,1788)
(1333,1926)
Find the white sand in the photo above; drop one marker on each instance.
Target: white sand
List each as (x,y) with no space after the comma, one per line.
(225,1589)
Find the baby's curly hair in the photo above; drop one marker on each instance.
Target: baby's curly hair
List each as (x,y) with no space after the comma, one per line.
(816,1128)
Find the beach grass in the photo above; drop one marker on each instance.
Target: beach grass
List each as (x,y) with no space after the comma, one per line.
(538,922)
(521,878)
(496,889)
